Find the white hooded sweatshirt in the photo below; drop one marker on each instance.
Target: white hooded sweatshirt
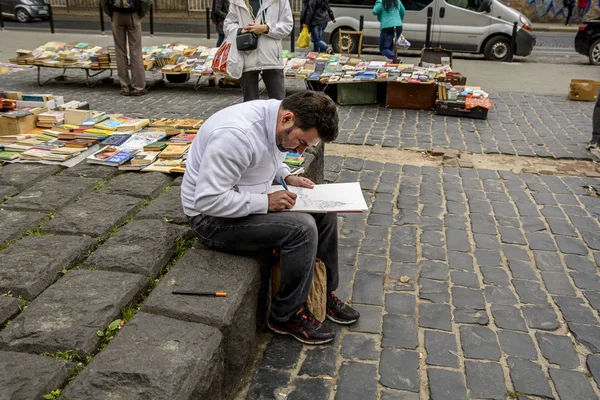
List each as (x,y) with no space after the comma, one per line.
(233,162)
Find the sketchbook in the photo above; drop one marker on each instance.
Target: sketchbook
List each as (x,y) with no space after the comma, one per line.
(333,197)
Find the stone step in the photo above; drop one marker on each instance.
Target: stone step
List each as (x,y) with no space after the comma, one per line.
(155,357)
(35,262)
(166,207)
(29,376)
(234,315)
(23,176)
(9,307)
(140,247)
(86,170)
(68,314)
(13,224)
(143,184)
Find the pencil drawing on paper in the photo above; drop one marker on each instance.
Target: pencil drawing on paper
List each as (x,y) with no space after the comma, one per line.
(304,201)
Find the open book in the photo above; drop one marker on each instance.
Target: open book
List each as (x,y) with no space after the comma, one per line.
(333,197)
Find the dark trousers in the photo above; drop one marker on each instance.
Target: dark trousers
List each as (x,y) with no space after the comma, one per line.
(301,238)
(316,36)
(220,39)
(569,13)
(273,80)
(596,121)
(386,41)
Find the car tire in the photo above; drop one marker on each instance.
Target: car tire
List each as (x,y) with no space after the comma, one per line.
(594,53)
(348,40)
(497,49)
(22,15)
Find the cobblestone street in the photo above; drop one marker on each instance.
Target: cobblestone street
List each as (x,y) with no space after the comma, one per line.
(472,283)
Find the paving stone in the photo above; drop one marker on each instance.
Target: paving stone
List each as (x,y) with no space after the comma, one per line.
(540,317)
(35,262)
(560,226)
(483,241)
(434,291)
(481,223)
(433,253)
(470,316)
(460,261)
(528,378)
(398,270)
(571,245)
(347,255)
(7,191)
(399,369)
(43,196)
(282,352)
(29,376)
(234,315)
(593,298)
(488,258)
(441,349)
(480,206)
(372,263)
(67,315)
(500,295)
(495,276)
(530,292)
(168,358)
(370,319)
(446,385)
(558,283)
(400,303)
(166,207)
(558,350)
(13,224)
(407,254)
(356,381)
(310,389)
(522,270)
(507,317)
(368,288)
(587,335)
(548,261)
(580,264)
(400,331)
(359,346)
(140,247)
(571,384)
(593,364)
(141,184)
(575,310)
(540,241)
(23,176)
(266,383)
(9,307)
(532,224)
(485,380)
(435,316)
(375,247)
(467,279)
(467,298)
(389,394)
(586,281)
(86,170)
(480,343)
(319,361)
(511,235)
(457,240)
(516,253)
(455,221)
(517,344)
(434,270)
(433,238)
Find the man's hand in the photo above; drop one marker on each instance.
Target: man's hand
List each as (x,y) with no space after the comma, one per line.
(298,181)
(304,26)
(281,200)
(259,29)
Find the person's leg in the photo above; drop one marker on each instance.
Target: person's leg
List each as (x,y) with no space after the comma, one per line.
(595,142)
(569,14)
(385,40)
(319,43)
(327,250)
(274,81)
(314,32)
(249,84)
(136,60)
(120,38)
(220,39)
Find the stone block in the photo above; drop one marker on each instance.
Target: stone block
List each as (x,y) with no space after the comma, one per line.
(13,224)
(319,362)
(480,343)
(400,331)
(86,170)
(95,214)
(68,314)
(314,163)
(528,378)
(399,369)
(9,307)
(143,185)
(51,194)
(167,207)
(7,191)
(558,350)
(154,357)
(485,380)
(234,315)
(140,247)
(29,376)
(282,352)
(359,346)
(22,176)
(268,383)
(35,262)
(446,385)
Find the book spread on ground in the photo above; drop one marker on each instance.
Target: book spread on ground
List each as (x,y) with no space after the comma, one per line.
(333,197)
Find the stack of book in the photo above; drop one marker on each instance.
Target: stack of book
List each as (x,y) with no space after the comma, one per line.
(49,119)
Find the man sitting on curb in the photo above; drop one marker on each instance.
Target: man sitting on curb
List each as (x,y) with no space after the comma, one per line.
(232,163)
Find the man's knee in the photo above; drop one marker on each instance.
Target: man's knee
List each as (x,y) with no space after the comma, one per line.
(303,227)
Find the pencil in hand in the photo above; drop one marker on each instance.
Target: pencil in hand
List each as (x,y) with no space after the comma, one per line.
(188,293)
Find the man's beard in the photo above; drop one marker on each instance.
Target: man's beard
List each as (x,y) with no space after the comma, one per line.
(282,139)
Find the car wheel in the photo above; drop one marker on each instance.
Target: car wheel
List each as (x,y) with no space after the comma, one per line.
(348,41)
(595,53)
(497,49)
(22,15)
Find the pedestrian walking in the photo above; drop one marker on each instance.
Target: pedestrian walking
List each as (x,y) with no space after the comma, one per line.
(126,17)
(582,7)
(595,142)
(315,15)
(569,5)
(390,14)
(270,21)
(220,10)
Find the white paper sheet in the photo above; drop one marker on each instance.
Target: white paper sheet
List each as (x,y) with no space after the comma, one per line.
(332,197)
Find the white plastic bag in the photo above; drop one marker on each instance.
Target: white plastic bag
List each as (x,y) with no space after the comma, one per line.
(403,43)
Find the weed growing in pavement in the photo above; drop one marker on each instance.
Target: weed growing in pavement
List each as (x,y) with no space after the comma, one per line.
(100,184)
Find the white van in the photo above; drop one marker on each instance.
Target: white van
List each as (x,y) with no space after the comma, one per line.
(470,26)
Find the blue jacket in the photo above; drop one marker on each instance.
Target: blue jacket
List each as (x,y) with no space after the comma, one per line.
(391,18)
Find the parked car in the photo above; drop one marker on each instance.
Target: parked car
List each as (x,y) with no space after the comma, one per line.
(25,10)
(587,40)
(470,26)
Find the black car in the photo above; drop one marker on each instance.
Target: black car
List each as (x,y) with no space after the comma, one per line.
(24,10)
(587,41)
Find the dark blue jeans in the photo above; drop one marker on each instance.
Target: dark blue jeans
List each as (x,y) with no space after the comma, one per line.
(386,41)
(220,39)
(316,36)
(301,238)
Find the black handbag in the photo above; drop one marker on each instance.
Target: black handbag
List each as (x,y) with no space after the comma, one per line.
(247,41)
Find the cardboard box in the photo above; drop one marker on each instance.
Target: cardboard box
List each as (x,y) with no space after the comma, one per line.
(584,89)
(16,126)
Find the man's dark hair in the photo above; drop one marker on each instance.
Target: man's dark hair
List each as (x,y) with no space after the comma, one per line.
(314,110)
